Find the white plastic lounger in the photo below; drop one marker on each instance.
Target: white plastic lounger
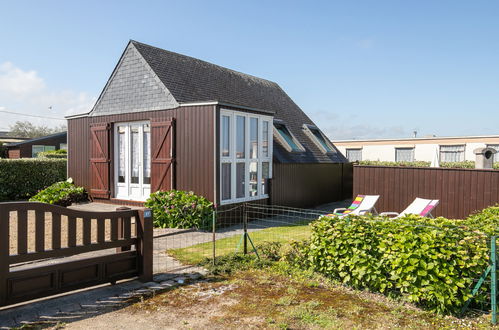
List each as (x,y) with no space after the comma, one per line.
(362,204)
(419,206)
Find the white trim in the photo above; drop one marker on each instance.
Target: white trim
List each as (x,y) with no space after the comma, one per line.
(308,131)
(231,159)
(283,141)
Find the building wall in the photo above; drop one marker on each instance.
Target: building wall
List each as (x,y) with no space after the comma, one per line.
(424,149)
(25,149)
(195,153)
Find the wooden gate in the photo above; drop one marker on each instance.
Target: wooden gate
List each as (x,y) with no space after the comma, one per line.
(33,235)
(163,153)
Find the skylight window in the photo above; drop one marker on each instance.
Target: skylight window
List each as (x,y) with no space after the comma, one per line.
(287,139)
(318,138)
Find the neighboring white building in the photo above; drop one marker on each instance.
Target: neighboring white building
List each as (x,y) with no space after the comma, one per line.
(449,149)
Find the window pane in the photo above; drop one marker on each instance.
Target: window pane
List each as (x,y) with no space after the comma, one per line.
(286,135)
(240,180)
(265,177)
(134,159)
(253,137)
(452,153)
(63,146)
(49,148)
(225,136)
(354,155)
(35,150)
(253,179)
(147,154)
(320,137)
(404,154)
(121,158)
(265,139)
(240,136)
(226,182)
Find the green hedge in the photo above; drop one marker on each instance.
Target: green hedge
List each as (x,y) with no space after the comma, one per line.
(430,262)
(463,164)
(22,178)
(61,153)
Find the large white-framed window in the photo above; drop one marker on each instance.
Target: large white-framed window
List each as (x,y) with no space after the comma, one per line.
(452,153)
(286,138)
(320,140)
(245,156)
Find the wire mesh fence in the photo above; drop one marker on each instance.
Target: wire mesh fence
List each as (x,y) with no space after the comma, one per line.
(244,227)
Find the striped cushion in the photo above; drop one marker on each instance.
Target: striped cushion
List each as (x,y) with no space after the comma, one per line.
(355,205)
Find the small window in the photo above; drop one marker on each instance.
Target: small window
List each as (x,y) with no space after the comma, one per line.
(63,146)
(354,155)
(496,147)
(452,154)
(287,139)
(318,138)
(37,149)
(404,154)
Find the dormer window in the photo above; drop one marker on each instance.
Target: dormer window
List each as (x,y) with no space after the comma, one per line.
(318,138)
(286,138)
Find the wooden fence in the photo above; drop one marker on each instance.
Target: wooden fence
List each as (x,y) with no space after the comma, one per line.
(34,235)
(460,191)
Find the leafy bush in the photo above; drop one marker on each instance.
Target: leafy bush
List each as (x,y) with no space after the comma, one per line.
(62,193)
(61,153)
(463,164)
(179,209)
(430,262)
(22,178)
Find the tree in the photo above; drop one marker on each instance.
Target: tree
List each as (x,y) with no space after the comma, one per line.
(28,130)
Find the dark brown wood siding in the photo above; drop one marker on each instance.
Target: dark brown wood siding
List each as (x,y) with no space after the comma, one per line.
(194,145)
(307,185)
(460,191)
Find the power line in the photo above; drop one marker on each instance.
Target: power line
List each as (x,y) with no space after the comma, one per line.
(22,114)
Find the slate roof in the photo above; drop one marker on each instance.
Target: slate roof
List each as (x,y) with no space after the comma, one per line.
(193,80)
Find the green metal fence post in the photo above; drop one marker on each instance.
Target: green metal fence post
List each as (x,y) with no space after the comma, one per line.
(245,229)
(493,279)
(213,227)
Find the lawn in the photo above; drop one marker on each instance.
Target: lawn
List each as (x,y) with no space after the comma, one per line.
(196,253)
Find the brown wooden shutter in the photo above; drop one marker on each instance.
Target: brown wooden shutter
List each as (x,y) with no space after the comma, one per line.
(163,152)
(99,160)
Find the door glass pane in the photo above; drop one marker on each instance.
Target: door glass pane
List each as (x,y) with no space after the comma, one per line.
(253,138)
(240,136)
(226,182)
(121,159)
(134,154)
(265,139)
(225,136)
(253,179)
(265,177)
(240,180)
(147,154)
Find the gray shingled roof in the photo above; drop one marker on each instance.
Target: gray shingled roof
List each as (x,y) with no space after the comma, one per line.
(193,80)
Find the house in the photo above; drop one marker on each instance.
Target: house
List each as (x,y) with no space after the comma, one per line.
(7,137)
(168,121)
(448,149)
(31,147)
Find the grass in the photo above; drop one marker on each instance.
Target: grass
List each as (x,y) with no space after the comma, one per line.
(197,253)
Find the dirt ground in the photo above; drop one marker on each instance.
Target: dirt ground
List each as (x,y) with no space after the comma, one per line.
(260,299)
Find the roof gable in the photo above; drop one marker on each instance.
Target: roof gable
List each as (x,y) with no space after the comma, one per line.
(133,87)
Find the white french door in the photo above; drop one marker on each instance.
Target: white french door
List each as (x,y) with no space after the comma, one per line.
(132,159)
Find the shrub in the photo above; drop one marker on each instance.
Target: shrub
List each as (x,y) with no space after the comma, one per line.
(61,153)
(22,178)
(62,193)
(386,163)
(463,164)
(430,262)
(179,209)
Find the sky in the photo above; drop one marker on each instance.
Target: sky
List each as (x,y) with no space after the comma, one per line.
(359,69)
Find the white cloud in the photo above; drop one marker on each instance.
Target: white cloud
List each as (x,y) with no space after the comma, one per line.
(27,93)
